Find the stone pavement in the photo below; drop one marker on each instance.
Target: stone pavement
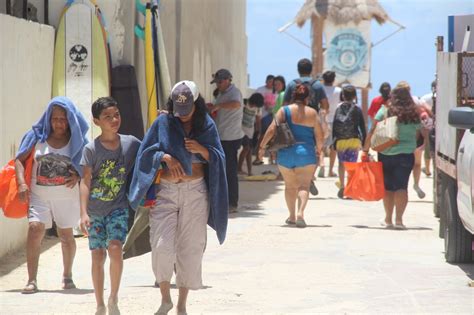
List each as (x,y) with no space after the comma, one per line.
(344,262)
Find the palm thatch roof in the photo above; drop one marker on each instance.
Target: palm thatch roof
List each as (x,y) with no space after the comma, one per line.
(342,11)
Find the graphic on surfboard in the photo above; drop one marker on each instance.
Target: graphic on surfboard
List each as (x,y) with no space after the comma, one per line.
(81,58)
(157,77)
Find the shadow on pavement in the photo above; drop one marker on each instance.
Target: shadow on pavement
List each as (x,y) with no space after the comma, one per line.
(253,193)
(468,269)
(10,262)
(67,292)
(415,228)
(172,286)
(307,226)
(420,201)
(243,213)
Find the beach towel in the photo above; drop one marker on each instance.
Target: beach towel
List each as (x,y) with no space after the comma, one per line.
(166,134)
(41,130)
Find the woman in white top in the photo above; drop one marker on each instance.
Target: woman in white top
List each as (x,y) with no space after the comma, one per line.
(56,143)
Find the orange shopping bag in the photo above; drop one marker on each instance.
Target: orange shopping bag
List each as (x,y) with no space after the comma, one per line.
(9,199)
(365,181)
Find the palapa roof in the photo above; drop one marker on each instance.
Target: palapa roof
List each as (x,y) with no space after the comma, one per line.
(342,11)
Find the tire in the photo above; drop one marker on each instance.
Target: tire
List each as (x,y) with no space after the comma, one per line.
(457,240)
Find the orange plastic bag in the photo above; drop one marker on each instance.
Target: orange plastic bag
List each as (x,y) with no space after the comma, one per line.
(365,181)
(9,198)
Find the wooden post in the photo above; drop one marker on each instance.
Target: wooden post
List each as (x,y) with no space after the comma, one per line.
(178,25)
(317,44)
(365,104)
(439,43)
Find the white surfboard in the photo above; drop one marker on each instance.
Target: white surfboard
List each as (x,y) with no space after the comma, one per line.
(81,65)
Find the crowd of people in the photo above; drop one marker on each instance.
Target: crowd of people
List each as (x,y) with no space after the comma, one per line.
(185,170)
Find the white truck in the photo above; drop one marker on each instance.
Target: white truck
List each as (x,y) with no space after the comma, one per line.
(454,154)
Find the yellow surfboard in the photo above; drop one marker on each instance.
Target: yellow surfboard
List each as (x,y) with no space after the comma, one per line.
(150,69)
(81,61)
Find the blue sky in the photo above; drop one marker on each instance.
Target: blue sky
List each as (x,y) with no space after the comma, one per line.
(408,55)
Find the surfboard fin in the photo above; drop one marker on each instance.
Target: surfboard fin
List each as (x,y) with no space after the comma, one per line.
(140,6)
(140,32)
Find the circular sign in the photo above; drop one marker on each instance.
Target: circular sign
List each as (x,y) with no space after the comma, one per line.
(78,53)
(347,53)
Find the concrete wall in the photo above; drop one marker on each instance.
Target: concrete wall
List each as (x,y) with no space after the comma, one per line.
(26,54)
(200,36)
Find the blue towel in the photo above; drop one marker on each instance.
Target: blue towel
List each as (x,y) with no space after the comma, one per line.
(40,131)
(166,135)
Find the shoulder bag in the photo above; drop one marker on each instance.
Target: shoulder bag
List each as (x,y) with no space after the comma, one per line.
(10,201)
(385,134)
(283,137)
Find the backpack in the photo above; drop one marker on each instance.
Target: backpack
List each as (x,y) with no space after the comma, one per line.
(313,102)
(345,122)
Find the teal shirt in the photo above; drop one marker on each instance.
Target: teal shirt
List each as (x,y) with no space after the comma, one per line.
(278,102)
(406,135)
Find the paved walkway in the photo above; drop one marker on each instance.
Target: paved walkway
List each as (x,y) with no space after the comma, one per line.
(343,262)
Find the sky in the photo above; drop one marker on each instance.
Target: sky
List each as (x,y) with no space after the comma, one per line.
(409,55)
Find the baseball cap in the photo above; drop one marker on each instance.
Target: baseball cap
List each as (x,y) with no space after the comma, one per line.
(221,74)
(183,95)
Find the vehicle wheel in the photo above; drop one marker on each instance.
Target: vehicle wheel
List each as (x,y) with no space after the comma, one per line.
(457,241)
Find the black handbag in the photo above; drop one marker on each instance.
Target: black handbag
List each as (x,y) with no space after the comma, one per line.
(283,137)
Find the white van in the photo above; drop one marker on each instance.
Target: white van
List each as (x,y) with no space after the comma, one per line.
(454,173)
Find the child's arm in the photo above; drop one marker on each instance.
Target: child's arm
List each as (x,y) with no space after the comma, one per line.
(84,188)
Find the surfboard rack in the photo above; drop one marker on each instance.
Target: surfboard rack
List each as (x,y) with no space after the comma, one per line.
(140,32)
(140,6)
(153,6)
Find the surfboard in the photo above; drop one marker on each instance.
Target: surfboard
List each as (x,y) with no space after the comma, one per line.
(161,61)
(93,4)
(81,62)
(150,74)
(157,78)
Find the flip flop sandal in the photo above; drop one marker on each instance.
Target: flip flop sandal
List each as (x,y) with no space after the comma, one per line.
(68,284)
(289,222)
(257,162)
(300,223)
(30,288)
(313,189)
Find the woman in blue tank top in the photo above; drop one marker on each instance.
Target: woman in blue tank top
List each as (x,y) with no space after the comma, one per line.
(298,162)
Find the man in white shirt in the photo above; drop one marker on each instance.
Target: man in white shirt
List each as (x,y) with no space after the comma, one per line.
(333,94)
(428,98)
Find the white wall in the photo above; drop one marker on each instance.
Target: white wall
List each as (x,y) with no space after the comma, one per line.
(26,54)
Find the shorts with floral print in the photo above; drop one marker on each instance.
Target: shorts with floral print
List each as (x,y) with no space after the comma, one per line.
(103,229)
